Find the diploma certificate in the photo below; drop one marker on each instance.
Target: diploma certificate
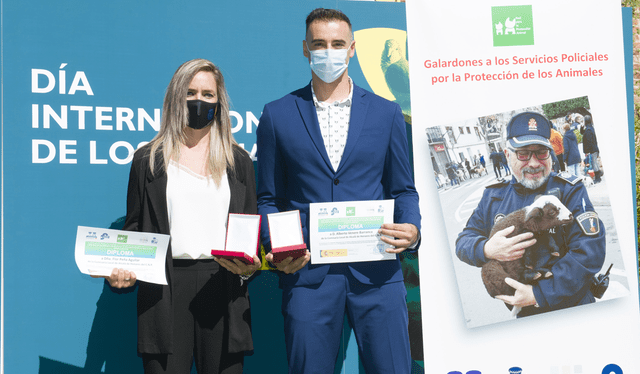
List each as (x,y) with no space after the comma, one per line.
(347,231)
(99,251)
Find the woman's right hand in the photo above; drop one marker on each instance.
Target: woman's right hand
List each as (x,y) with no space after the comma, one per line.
(119,278)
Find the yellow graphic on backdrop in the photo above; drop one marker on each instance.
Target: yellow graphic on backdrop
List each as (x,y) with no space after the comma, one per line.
(382,54)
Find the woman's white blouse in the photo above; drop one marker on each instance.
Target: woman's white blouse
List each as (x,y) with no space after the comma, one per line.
(198,211)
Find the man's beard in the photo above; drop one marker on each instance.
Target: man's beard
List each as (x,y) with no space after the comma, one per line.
(530,183)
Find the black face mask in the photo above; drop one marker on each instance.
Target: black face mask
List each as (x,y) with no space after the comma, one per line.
(201,113)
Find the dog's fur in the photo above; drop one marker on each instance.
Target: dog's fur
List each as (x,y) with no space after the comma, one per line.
(545,213)
(478,170)
(587,181)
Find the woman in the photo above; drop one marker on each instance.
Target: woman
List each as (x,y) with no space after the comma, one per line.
(590,147)
(571,151)
(184,183)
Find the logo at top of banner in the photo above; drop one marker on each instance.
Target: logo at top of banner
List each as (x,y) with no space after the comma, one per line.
(512,25)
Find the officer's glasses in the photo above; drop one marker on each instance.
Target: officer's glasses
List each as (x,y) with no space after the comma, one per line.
(541,154)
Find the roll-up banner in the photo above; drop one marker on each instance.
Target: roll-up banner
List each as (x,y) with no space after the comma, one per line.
(482,72)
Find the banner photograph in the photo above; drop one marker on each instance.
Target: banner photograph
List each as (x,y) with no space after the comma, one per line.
(466,190)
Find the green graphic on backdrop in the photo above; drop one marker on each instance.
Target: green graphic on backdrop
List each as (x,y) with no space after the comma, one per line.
(512,25)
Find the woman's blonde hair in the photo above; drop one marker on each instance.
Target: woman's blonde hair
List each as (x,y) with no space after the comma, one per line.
(175,119)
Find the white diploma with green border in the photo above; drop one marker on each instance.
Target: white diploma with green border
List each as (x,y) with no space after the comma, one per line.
(99,251)
(347,231)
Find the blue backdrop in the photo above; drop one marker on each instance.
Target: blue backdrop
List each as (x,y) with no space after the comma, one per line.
(83,84)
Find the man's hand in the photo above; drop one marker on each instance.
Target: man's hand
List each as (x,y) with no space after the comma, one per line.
(239,267)
(523,296)
(403,235)
(289,265)
(501,248)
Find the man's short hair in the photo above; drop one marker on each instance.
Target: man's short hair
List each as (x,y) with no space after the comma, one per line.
(326,15)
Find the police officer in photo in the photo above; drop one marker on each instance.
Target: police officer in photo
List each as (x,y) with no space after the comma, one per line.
(582,243)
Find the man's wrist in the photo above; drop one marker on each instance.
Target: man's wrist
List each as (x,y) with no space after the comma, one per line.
(414,245)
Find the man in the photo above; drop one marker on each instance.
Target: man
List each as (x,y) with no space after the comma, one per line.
(334,141)
(577,123)
(496,161)
(582,243)
(503,159)
(571,150)
(451,173)
(556,143)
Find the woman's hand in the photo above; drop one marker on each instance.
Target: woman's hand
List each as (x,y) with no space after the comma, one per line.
(239,267)
(119,278)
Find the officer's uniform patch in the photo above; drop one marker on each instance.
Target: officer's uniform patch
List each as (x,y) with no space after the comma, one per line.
(589,223)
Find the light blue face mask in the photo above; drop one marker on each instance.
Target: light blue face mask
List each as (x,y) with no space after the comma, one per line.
(328,64)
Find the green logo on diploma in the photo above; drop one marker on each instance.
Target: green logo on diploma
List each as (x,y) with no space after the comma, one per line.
(351,211)
(512,25)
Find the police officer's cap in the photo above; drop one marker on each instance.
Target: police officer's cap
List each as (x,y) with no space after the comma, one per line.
(529,128)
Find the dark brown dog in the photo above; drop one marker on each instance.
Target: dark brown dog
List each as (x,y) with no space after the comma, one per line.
(545,213)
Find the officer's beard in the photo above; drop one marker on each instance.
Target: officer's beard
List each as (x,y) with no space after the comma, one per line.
(533,184)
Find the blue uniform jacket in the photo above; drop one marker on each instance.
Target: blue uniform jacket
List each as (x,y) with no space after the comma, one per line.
(582,250)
